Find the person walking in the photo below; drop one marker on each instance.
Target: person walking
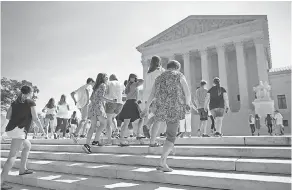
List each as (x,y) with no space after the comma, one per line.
(97,111)
(200,97)
(81,98)
(20,114)
(51,110)
(173,101)
(279,129)
(217,101)
(258,123)
(155,69)
(131,111)
(252,124)
(62,116)
(269,123)
(73,123)
(114,92)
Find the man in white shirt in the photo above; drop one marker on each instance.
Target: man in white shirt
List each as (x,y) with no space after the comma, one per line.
(82,102)
(279,122)
(114,91)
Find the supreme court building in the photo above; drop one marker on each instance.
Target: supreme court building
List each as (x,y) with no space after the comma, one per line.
(234,48)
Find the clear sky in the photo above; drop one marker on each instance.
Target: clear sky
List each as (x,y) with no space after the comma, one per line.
(58,45)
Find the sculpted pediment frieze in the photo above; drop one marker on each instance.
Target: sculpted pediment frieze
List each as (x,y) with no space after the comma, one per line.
(195,26)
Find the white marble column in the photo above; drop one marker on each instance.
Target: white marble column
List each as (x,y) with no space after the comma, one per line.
(262,63)
(205,66)
(187,69)
(242,76)
(222,66)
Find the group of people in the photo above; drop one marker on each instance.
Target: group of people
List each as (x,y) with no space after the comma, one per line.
(167,99)
(274,124)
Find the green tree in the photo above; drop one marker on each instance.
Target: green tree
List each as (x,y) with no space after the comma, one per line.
(10,89)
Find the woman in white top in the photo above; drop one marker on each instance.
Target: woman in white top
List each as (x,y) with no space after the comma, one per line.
(155,69)
(51,110)
(62,115)
(252,124)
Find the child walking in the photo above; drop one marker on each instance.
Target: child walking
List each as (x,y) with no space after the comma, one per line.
(251,124)
(257,123)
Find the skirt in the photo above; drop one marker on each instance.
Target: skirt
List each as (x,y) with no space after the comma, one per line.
(131,110)
(17,133)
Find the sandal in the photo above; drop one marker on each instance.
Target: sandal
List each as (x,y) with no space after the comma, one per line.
(139,138)
(164,169)
(96,143)
(155,145)
(26,172)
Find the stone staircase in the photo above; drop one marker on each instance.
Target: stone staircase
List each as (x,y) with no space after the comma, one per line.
(199,163)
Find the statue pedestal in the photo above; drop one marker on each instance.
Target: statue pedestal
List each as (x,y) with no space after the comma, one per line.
(264,107)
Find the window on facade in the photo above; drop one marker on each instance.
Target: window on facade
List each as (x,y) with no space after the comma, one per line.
(282,102)
(285,123)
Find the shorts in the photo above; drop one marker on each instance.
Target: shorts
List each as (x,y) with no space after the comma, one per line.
(73,127)
(17,133)
(84,112)
(203,114)
(51,117)
(217,112)
(113,108)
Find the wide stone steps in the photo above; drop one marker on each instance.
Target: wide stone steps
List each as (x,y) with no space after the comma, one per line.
(227,141)
(221,151)
(61,181)
(201,178)
(199,163)
(23,187)
(276,166)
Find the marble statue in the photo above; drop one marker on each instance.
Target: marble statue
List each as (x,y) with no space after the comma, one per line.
(263,91)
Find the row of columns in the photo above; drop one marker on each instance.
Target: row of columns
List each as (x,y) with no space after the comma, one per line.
(241,66)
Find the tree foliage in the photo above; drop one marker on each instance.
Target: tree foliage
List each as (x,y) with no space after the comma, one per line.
(10,89)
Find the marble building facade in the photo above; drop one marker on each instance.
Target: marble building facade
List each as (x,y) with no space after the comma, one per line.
(234,48)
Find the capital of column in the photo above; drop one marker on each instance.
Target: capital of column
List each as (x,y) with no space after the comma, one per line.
(203,51)
(221,47)
(238,43)
(258,40)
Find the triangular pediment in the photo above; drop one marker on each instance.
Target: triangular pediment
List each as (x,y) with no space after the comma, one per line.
(193,25)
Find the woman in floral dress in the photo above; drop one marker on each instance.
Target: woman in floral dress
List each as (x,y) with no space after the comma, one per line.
(172,102)
(97,110)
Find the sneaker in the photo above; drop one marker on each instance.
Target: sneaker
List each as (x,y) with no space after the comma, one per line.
(205,135)
(217,134)
(162,134)
(86,149)
(55,136)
